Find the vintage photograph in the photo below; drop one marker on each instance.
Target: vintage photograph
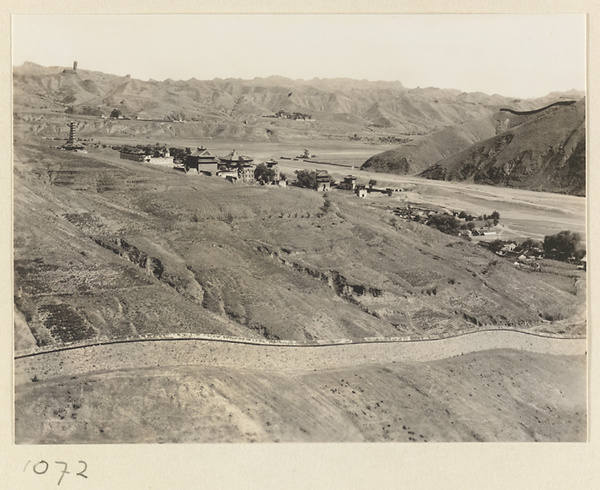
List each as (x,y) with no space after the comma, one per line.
(299,228)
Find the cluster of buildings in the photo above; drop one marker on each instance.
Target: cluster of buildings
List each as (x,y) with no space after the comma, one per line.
(296,116)
(349,183)
(414,212)
(233,167)
(157,154)
(422,213)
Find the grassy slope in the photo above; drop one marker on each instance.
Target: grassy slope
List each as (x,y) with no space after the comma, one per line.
(486,396)
(105,247)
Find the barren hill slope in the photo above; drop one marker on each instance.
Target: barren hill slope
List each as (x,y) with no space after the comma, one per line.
(114,250)
(362,106)
(485,396)
(544,151)
(423,152)
(119,249)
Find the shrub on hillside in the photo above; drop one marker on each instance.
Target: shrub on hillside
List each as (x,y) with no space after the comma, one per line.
(445,223)
(496,245)
(306,178)
(264,173)
(91,111)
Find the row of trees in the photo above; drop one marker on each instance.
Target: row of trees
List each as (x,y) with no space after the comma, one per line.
(157,150)
(452,226)
(494,217)
(562,246)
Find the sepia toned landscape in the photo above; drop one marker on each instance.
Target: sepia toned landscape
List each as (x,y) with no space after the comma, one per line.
(286,260)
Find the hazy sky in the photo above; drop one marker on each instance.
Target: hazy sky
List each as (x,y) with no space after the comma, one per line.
(512,55)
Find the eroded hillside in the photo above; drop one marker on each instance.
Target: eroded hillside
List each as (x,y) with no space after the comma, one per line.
(418,155)
(106,248)
(542,151)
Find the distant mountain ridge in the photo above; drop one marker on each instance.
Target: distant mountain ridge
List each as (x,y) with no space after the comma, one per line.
(360,105)
(452,135)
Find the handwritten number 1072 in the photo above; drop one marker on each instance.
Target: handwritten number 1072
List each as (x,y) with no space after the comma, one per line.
(41,467)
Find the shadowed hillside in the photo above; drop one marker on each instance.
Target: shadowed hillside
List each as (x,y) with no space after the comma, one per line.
(544,151)
(418,155)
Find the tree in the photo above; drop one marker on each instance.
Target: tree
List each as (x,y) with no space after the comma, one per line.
(264,173)
(496,245)
(580,253)
(372,183)
(179,154)
(445,223)
(530,243)
(562,245)
(116,113)
(496,217)
(306,178)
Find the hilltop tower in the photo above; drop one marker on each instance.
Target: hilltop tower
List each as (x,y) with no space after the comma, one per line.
(74,65)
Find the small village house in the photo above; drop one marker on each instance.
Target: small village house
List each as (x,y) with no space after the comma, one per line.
(349,183)
(323,180)
(361,191)
(246,172)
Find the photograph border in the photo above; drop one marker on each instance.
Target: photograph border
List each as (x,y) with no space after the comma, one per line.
(303,465)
